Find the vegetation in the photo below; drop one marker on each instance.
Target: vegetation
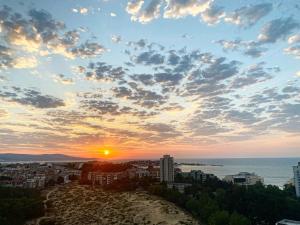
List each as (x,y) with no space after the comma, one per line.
(216,202)
(131,184)
(220,203)
(18,205)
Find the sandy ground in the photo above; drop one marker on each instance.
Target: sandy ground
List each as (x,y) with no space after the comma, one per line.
(79,205)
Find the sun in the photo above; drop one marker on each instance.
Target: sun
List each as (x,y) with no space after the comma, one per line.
(106,152)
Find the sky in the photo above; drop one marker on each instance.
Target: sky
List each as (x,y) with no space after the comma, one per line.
(141,78)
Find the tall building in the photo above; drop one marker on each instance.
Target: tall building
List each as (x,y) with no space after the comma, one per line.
(297,179)
(167,169)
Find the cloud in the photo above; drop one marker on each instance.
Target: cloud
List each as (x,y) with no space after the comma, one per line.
(30,97)
(146,79)
(102,71)
(162,132)
(82,10)
(88,49)
(6,59)
(138,44)
(60,78)
(101,106)
(112,14)
(247,16)
(133,7)
(201,127)
(295,51)
(213,15)
(3,113)
(168,79)
(45,25)
(116,38)
(248,48)
(149,58)
(142,97)
(151,12)
(294,39)
(253,74)
(243,117)
(219,70)
(178,8)
(25,62)
(277,29)
(39,33)
(174,9)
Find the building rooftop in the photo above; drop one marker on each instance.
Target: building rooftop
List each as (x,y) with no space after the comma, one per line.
(288,222)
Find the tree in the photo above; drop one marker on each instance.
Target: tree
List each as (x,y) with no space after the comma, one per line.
(237,219)
(219,218)
(193,206)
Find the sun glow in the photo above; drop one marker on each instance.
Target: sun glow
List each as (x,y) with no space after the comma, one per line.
(106,152)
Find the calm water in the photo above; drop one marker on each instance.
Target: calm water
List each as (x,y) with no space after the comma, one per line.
(275,171)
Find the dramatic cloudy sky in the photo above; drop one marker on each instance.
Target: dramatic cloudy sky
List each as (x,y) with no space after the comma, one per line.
(193,78)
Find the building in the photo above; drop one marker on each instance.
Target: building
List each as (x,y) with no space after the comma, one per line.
(154,172)
(288,222)
(198,175)
(244,178)
(105,178)
(297,178)
(138,172)
(178,186)
(167,169)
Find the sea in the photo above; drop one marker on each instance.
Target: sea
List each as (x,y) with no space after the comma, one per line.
(275,171)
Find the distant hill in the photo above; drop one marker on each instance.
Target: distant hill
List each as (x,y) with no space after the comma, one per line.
(10,157)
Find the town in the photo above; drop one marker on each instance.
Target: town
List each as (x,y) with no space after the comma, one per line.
(108,175)
(41,175)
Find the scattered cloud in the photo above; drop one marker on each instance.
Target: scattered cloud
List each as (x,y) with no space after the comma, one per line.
(81,10)
(25,62)
(248,48)
(178,9)
(116,38)
(40,34)
(277,29)
(247,16)
(30,97)
(295,51)
(60,78)
(294,39)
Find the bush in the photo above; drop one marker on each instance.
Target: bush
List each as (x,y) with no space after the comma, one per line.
(18,205)
(219,218)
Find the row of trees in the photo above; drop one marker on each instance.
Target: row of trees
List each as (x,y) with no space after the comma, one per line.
(18,205)
(220,203)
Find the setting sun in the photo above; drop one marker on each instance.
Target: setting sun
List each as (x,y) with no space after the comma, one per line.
(106,152)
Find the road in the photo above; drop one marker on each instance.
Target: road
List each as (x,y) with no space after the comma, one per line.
(37,222)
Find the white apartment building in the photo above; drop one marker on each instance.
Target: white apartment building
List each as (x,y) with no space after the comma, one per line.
(167,169)
(244,178)
(297,178)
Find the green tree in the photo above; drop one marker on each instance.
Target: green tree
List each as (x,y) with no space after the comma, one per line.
(237,219)
(219,218)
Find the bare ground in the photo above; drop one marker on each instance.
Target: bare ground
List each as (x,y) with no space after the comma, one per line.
(80,205)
